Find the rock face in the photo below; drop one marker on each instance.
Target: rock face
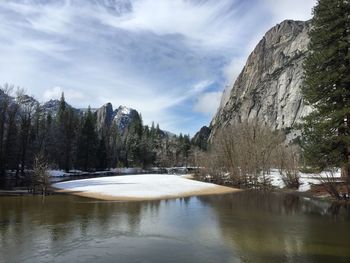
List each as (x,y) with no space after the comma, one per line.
(52,107)
(104,116)
(123,116)
(268,88)
(201,138)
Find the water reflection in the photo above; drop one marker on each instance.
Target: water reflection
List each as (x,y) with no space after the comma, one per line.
(267,227)
(243,227)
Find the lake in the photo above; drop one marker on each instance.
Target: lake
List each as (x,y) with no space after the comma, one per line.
(240,227)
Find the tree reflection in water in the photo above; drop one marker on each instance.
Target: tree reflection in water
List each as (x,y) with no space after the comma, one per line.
(272,227)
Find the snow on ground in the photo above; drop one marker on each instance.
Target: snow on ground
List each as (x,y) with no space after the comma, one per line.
(61,173)
(306,179)
(127,170)
(145,186)
(57,173)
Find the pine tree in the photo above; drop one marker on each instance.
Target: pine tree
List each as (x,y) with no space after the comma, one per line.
(326,132)
(88,142)
(102,160)
(50,149)
(133,140)
(67,126)
(62,108)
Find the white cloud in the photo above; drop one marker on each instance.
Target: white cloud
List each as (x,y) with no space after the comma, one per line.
(208,103)
(69,94)
(193,20)
(233,69)
(290,9)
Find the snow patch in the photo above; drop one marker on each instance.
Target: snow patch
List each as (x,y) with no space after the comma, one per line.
(57,173)
(125,110)
(306,180)
(137,186)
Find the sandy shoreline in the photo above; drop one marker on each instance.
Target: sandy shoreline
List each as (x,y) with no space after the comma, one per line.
(131,191)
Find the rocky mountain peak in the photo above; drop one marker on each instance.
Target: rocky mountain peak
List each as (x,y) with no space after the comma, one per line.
(268,87)
(104,116)
(123,116)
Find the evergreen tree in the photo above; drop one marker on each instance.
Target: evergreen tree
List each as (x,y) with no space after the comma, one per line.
(114,145)
(50,149)
(102,160)
(133,140)
(67,126)
(185,148)
(326,132)
(88,142)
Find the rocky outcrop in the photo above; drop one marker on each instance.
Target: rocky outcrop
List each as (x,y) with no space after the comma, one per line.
(200,139)
(104,116)
(268,88)
(123,116)
(52,107)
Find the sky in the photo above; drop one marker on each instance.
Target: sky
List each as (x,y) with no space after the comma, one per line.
(168,59)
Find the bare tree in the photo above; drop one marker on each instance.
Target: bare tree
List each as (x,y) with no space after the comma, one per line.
(287,161)
(243,154)
(40,174)
(338,188)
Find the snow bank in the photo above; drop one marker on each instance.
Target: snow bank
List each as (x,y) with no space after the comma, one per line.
(141,187)
(127,170)
(57,173)
(306,179)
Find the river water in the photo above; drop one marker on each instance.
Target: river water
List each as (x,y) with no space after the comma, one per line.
(239,227)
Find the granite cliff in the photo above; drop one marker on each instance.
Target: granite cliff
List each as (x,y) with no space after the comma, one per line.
(268,87)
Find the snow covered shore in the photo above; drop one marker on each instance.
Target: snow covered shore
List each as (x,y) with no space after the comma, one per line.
(306,180)
(140,187)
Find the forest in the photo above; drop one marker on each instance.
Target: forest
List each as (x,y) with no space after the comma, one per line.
(70,139)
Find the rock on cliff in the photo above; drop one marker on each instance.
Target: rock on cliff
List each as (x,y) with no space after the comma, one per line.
(200,139)
(121,117)
(52,107)
(268,88)
(104,116)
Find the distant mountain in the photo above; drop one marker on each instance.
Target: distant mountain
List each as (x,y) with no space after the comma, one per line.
(121,117)
(52,107)
(105,115)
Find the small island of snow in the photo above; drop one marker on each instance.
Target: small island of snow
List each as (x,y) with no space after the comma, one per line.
(140,187)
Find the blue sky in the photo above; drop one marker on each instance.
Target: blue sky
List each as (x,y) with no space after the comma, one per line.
(169,59)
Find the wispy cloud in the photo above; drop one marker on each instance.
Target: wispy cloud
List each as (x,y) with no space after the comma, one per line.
(208,102)
(168,59)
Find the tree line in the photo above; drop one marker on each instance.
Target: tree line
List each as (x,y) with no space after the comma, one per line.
(69,139)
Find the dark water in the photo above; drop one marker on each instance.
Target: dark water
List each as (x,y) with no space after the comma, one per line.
(243,227)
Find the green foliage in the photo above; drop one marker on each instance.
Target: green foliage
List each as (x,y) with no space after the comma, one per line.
(67,122)
(326,86)
(88,142)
